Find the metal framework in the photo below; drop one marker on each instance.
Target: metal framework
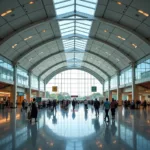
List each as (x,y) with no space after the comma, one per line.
(50,76)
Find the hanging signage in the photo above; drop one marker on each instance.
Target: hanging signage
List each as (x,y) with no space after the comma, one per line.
(54,88)
(93,88)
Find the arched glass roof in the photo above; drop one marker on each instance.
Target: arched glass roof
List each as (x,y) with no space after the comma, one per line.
(103,36)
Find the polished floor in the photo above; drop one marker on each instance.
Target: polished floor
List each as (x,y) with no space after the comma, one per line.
(75,130)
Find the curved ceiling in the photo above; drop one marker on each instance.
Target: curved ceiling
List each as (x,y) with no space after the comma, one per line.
(60,69)
(31,36)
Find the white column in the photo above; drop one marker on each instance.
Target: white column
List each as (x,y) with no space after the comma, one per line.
(119,95)
(133,81)
(39,87)
(109,92)
(15,86)
(29,89)
(44,89)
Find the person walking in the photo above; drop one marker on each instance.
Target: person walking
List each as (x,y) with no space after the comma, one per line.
(113,108)
(34,110)
(106,107)
(73,104)
(54,105)
(144,105)
(96,106)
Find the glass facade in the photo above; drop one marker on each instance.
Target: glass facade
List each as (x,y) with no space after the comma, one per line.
(126,76)
(113,82)
(74,82)
(22,76)
(143,69)
(106,86)
(41,85)
(34,81)
(6,69)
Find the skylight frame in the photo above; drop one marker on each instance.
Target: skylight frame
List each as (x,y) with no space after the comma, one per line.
(75,27)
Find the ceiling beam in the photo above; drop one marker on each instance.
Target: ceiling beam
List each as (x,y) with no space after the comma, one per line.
(66,66)
(122,51)
(50,76)
(100,19)
(59,52)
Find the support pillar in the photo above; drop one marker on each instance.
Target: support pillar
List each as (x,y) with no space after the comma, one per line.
(14,87)
(119,92)
(44,89)
(109,92)
(39,87)
(133,82)
(29,89)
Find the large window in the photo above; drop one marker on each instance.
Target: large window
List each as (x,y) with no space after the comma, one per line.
(41,85)
(113,82)
(106,86)
(143,69)
(34,81)
(74,82)
(6,69)
(22,76)
(126,76)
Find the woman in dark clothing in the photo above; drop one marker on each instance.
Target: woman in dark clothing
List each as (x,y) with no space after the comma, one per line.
(34,110)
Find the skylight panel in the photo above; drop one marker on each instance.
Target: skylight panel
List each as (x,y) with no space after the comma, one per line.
(82,26)
(84,3)
(81,29)
(74,47)
(85,22)
(85,10)
(65,10)
(66,22)
(67,29)
(67,33)
(64,4)
(66,26)
(82,33)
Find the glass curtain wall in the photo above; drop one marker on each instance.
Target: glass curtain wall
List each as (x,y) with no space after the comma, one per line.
(113,82)
(143,69)
(74,82)
(126,76)
(34,81)
(41,85)
(6,69)
(22,76)
(106,86)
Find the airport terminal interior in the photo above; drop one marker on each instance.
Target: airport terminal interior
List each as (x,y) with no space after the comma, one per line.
(74,74)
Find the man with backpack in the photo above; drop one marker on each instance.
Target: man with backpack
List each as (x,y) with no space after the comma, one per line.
(106,107)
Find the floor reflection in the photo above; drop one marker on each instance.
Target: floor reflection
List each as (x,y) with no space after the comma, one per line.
(75,130)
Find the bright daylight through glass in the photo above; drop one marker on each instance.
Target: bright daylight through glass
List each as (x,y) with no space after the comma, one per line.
(72,27)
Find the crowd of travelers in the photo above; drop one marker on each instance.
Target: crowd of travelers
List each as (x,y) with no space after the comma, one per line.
(32,108)
(135,105)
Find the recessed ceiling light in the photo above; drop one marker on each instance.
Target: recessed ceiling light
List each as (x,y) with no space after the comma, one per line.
(143,13)
(31,2)
(28,38)
(134,45)
(6,13)
(121,38)
(119,3)
(14,45)
(105,31)
(44,31)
